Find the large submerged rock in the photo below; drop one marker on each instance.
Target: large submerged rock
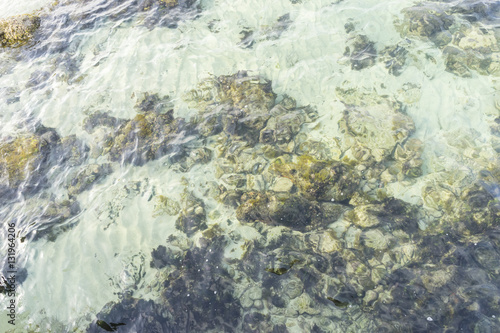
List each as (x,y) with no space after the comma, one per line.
(463,30)
(196,294)
(148,136)
(18,30)
(26,159)
(330,249)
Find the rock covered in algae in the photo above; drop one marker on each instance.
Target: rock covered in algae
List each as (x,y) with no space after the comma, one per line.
(163,256)
(25,160)
(463,30)
(194,292)
(152,103)
(285,124)
(194,157)
(168,13)
(237,105)
(374,123)
(409,158)
(56,218)
(170,3)
(394,58)
(145,137)
(319,180)
(165,205)
(296,280)
(87,176)
(477,210)
(55,29)
(426,19)
(151,134)
(19,160)
(293,211)
(473,48)
(193,216)
(373,277)
(360,51)
(18,30)
(459,270)
(101,119)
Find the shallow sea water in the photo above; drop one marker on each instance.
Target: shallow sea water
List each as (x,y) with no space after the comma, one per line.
(350,277)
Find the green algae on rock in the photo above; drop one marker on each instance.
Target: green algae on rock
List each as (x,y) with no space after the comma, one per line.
(87,176)
(377,138)
(193,216)
(169,3)
(427,19)
(152,103)
(462,30)
(25,160)
(293,211)
(18,30)
(319,180)
(165,205)
(237,104)
(20,158)
(141,139)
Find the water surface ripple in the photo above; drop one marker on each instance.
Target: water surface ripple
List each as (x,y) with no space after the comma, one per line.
(247,166)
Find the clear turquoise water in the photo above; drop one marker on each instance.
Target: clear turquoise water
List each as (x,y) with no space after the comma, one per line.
(432,269)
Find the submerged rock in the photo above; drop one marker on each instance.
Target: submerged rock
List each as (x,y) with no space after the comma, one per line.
(409,158)
(193,216)
(152,103)
(427,19)
(238,105)
(18,30)
(87,176)
(293,211)
(54,219)
(324,244)
(38,79)
(373,123)
(198,294)
(165,205)
(394,58)
(361,52)
(391,213)
(25,160)
(319,180)
(130,315)
(98,119)
(19,159)
(463,30)
(250,37)
(55,29)
(146,137)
